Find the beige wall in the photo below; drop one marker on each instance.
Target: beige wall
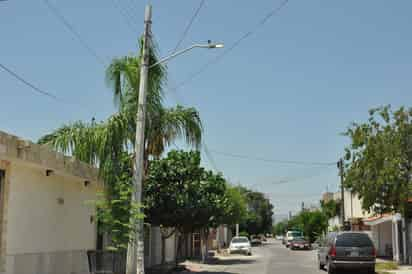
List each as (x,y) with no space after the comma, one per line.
(382,237)
(353,207)
(48,221)
(37,222)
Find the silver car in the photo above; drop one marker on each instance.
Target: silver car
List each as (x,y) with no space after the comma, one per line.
(347,250)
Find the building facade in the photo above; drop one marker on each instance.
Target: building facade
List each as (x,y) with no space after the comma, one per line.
(47,224)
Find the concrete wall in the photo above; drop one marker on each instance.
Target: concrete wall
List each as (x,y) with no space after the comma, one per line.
(156,247)
(334,222)
(353,207)
(171,249)
(382,236)
(48,220)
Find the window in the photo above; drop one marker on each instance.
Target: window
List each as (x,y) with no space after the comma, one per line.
(353,240)
(240,240)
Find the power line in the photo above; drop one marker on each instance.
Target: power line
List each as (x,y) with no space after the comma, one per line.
(246,157)
(189,25)
(128,19)
(70,27)
(27,83)
(215,60)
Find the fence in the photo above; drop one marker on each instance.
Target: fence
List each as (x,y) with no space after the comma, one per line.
(107,262)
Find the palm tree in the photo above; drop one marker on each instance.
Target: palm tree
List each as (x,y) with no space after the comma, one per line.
(98,143)
(104,144)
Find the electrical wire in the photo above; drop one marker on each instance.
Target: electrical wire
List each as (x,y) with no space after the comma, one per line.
(246,157)
(128,19)
(189,25)
(215,60)
(27,83)
(71,29)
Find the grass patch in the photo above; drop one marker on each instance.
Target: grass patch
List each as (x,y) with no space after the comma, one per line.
(386,266)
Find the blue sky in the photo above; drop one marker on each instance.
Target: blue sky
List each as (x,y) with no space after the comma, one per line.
(284,93)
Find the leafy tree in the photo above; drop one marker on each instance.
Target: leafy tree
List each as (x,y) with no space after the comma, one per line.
(259,215)
(235,210)
(311,223)
(280,228)
(330,208)
(379,160)
(180,194)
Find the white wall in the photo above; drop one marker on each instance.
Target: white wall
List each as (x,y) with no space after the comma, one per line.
(156,246)
(353,207)
(36,222)
(171,249)
(382,236)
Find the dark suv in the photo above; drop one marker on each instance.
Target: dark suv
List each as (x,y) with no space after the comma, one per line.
(347,250)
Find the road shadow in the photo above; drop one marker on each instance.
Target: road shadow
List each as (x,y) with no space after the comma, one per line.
(231,261)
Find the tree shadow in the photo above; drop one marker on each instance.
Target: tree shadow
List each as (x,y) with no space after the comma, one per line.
(231,261)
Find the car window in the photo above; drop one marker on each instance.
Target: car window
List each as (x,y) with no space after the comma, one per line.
(353,240)
(294,234)
(239,240)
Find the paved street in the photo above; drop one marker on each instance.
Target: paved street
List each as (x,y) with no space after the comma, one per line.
(270,258)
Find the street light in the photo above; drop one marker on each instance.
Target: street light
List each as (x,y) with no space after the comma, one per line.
(135,249)
(209,45)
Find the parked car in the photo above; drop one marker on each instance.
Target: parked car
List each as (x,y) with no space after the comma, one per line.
(279,237)
(347,250)
(256,240)
(299,243)
(240,245)
(291,235)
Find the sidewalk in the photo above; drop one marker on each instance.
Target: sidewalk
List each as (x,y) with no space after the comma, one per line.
(407,269)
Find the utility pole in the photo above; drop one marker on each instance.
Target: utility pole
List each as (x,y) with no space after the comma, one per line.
(342,192)
(135,249)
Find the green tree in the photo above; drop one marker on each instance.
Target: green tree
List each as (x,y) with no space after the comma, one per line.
(103,144)
(311,223)
(280,228)
(330,208)
(259,213)
(379,160)
(181,194)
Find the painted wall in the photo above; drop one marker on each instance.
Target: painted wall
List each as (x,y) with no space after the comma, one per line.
(353,207)
(382,237)
(48,220)
(171,249)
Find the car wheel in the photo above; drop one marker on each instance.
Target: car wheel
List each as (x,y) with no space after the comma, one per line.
(321,266)
(372,270)
(249,254)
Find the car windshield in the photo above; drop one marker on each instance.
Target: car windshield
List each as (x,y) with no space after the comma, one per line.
(240,240)
(294,234)
(353,240)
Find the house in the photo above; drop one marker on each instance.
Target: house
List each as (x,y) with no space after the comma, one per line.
(387,231)
(46,223)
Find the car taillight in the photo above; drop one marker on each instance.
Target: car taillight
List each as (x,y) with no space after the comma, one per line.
(374,252)
(332,251)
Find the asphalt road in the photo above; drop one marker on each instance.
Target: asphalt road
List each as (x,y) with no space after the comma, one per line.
(270,258)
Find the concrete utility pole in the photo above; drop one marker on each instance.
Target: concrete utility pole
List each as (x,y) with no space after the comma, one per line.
(135,249)
(342,192)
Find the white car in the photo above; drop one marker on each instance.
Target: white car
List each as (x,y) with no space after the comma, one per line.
(240,245)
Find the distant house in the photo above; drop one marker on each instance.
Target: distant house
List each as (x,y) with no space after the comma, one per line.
(388,231)
(46,224)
